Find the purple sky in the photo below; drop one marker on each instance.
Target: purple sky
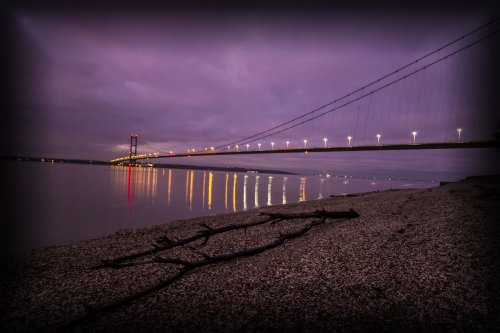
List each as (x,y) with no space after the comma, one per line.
(190,78)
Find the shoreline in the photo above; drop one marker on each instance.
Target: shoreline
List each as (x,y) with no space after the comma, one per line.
(145,165)
(415,260)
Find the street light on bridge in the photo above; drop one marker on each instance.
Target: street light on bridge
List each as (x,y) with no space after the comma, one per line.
(378,139)
(272,145)
(237,148)
(349,138)
(325,140)
(248,146)
(305,143)
(212,149)
(414,136)
(259,145)
(287,143)
(459,130)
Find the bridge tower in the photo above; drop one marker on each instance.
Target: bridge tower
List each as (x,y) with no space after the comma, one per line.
(133,145)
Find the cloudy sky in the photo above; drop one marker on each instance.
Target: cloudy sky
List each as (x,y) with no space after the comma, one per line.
(85,78)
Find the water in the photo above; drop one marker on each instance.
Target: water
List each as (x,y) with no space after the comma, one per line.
(62,203)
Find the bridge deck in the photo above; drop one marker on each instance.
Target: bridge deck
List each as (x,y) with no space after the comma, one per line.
(438,145)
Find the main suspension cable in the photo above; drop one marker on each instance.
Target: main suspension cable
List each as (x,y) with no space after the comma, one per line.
(359,89)
(373,91)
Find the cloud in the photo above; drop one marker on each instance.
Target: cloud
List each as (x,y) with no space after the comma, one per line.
(195,79)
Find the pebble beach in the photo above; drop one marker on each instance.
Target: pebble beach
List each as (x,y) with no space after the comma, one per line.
(417,260)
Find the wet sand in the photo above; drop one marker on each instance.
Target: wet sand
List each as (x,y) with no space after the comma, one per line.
(415,260)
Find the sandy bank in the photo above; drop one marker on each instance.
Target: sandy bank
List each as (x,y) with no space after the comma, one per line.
(415,260)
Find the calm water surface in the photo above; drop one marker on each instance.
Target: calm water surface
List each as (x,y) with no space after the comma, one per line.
(62,203)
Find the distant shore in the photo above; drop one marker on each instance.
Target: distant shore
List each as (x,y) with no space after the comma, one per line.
(156,165)
(414,261)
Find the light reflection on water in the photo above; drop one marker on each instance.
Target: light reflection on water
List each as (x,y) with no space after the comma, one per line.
(61,203)
(210,192)
(283,191)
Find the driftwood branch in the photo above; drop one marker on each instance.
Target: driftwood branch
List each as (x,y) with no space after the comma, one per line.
(165,243)
(93,310)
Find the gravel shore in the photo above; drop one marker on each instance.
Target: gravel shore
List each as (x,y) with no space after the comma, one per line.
(414,261)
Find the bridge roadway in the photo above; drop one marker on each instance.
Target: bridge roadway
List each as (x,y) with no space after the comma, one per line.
(412,146)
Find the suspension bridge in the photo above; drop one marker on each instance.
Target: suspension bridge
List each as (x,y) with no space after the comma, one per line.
(436,101)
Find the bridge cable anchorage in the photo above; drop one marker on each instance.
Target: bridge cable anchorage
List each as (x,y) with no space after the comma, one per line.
(244,140)
(375,90)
